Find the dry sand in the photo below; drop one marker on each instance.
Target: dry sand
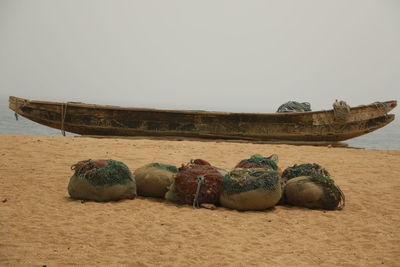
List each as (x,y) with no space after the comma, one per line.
(40,224)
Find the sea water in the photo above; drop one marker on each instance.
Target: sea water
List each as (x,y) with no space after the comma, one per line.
(386,138)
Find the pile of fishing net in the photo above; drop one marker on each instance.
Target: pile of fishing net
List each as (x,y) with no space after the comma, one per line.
(293,106)
(306,169)
(310,185)
(101,180)
(256,183)
(258,161)
(154,179)
(196,183)
(250,189)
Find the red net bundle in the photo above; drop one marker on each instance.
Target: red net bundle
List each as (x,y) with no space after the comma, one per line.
(200,162)
(196,184)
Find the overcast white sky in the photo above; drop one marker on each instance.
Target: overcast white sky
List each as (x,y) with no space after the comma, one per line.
(247,56)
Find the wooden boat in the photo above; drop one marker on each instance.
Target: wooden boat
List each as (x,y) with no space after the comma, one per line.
(88,119)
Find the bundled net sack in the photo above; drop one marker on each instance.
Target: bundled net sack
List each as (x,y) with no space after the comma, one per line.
(153,180)
(196,184)
(101,180)
(293,106)
(190,171)
(316,192)
(306,169)
(250,189)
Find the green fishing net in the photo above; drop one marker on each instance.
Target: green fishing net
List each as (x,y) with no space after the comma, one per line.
(258,161)
(293,106)
(165,167)
(243,180)
(306,169)
(333,196)
(115,172)
(101,180)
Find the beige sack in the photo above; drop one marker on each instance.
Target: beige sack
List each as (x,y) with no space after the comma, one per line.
(250,189)
(304,191)
(259,199)
(101,180)
(153,180)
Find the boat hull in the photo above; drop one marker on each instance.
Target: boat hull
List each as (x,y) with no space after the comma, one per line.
(86,119)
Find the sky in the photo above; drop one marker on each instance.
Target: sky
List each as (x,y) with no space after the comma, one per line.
(225,55)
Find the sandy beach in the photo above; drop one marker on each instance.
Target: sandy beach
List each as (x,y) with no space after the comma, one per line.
(41,225)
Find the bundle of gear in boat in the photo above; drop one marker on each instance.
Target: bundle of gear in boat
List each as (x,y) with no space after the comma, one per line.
(255,183)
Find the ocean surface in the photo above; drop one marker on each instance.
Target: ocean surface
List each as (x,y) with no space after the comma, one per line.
(386,138)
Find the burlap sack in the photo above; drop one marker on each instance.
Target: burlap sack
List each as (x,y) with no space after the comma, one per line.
(297,170)
(250,189)
(171,194)
(315,192)
(101,180)
(153,180)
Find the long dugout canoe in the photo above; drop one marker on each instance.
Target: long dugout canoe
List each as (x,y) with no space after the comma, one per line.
(103,120)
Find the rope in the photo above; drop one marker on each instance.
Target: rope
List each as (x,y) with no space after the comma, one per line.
(342,199)
(341,110)
(18,107)
(382,107)
(63,114)
(200,181)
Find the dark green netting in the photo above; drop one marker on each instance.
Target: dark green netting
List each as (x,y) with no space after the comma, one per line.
(101,180)
(323,180)
(258,161)
(166,167)
(115,172)
(306,169)
(293,106)
(243,180)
